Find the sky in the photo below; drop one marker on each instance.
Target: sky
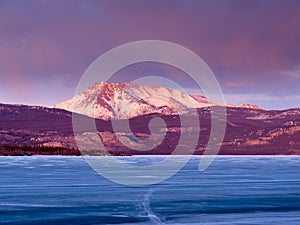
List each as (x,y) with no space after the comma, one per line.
(252,46)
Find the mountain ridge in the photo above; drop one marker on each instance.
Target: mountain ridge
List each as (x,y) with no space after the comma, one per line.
(248,132)
(111,100)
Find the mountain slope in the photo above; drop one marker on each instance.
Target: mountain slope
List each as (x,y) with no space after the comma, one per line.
(22,125)
(249,131)
(129,100)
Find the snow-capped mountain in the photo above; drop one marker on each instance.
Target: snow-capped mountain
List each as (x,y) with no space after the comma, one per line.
(114,100)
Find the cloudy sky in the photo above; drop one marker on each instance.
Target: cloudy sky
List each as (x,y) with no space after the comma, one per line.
(253,47)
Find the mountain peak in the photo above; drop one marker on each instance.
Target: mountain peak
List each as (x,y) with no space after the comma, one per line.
(105,100)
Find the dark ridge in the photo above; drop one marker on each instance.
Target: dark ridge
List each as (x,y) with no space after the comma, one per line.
(249,131)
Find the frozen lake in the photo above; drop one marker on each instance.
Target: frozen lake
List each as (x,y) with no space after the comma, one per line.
(233,190)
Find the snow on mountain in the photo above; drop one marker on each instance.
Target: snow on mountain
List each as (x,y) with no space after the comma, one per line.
(114,100)
(250,106)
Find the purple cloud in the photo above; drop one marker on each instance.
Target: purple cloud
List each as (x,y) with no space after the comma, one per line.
(248,43)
